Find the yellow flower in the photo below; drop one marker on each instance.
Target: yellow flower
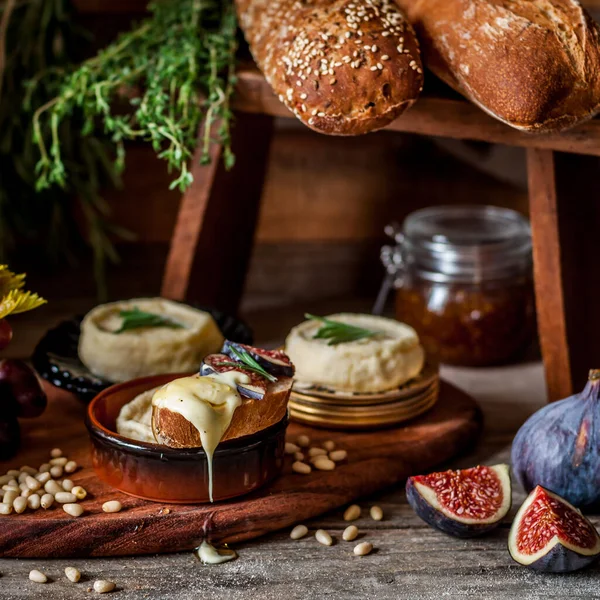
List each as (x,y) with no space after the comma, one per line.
(13,299)
(10,281)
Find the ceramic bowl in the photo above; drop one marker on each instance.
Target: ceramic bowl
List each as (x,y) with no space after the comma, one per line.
(161,474)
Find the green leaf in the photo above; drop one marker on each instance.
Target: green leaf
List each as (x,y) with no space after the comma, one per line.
(244,357)
(337,332)
(136,319)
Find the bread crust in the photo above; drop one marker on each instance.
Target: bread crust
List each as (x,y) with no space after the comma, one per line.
(343,67)
(175,431)
(533,64)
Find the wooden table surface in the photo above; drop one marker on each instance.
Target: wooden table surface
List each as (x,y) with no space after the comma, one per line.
(410,561)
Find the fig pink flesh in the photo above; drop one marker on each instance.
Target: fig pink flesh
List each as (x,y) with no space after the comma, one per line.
(471,493)
(545,518)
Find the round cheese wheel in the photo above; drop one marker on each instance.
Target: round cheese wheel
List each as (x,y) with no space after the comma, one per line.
(374,364)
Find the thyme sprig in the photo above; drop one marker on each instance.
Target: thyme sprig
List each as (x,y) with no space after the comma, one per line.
(175,70)
(337,332)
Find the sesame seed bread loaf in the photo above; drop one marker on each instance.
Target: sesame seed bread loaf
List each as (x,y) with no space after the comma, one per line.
(343,67)
(533,64)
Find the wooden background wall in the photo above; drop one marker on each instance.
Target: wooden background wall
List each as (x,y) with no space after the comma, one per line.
(325,203)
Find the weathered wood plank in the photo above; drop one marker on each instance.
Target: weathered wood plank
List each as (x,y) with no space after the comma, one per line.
(445,117)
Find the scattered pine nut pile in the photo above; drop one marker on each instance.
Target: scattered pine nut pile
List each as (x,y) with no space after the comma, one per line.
(29,488)
(325,459)
(101,586)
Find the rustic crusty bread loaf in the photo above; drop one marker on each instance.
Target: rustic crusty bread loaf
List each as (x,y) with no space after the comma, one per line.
(174,430)
(343,67)
(534,64)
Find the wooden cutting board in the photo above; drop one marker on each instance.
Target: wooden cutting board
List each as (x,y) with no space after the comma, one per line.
(376,460)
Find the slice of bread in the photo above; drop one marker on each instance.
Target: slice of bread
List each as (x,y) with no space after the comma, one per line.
(174,430)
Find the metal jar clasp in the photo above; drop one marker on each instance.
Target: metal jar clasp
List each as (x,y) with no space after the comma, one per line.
(392,260)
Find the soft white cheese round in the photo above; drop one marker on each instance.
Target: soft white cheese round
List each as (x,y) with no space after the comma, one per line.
(375,364)
(148,350)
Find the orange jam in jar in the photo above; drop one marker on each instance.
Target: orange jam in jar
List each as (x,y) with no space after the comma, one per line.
(464,282)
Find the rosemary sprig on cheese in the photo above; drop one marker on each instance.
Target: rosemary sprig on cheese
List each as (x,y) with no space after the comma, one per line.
(248,364)
(136,319)
(337,332)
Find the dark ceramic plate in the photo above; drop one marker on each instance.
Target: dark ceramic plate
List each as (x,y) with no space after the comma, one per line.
(56,360)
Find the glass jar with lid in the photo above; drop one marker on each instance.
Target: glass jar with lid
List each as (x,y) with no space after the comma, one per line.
(463,276)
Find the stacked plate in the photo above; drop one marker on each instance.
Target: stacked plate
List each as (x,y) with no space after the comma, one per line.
(322,407)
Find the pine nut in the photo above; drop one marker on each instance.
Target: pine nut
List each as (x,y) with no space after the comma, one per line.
(22,477)
(52,487)
(317,452)
(303,441)
(11,487)
(20,504)
(5,479)
(37,576)
(363,548)
(78,492)
(33,501)
(67,485)
(5,509)
(23,487)
(26,493)
(32,483)
(47,501)
(61,461)
(75,510)
(352,513)
(338,455)
(102,587)
(299,456)
(45,468)
(300,467)
(55,453)
(324,464)
(56,471)
(329,445)
(10,496)
(13,473)
(112,506)
(291,448)
(71,467)
(29,470)
(43,477)
(376,513)
(350,533)
(65,497)
(323,537)
(299,532)
(73,574)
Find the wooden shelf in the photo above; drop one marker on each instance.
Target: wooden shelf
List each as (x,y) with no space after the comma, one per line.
(436,116)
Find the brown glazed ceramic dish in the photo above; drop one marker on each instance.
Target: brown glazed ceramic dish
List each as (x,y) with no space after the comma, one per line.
(163,474)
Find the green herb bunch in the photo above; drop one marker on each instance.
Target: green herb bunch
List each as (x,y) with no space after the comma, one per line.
(155,83)
(39,44)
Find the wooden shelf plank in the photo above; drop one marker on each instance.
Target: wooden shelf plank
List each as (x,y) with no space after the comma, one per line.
(435,116)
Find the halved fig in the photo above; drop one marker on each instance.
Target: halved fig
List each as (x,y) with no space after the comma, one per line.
(463,503)
(551,535)
(274,362)
(256,388)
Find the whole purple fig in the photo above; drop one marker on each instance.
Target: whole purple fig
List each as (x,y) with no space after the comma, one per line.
(558,447)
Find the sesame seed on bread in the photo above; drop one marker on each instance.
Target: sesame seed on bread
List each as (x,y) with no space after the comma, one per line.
(343,67)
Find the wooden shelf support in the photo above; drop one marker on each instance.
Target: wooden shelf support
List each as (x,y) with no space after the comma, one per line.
(212,241)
